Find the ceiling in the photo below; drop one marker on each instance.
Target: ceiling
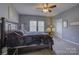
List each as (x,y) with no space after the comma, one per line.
(30,8)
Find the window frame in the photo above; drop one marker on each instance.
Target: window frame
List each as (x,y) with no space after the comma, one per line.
(37,26)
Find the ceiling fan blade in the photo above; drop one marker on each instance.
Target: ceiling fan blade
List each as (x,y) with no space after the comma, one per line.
(50,10)
(53,6)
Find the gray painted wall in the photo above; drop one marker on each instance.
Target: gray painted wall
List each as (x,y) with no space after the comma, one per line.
(4,10)
(24,19)
(71,32)
(9,12)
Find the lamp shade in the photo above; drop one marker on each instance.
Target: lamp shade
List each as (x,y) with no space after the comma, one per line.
(53,29)
(49,29)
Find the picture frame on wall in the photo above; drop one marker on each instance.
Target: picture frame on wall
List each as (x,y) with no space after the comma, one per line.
(65,23)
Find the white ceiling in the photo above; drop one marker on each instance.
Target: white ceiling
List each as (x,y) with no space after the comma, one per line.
(30,8)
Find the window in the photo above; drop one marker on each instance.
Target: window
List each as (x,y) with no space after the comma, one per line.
(13,26)
(36,26)
(40,26)
(10,26)
(33,26)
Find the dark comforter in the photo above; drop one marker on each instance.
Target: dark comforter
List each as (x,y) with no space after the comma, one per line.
(19,39)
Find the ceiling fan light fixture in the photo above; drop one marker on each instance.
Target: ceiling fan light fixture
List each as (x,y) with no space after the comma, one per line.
(45,10)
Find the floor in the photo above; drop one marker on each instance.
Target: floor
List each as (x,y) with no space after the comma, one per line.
(62,47)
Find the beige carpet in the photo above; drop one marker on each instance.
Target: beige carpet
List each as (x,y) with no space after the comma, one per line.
(62,47)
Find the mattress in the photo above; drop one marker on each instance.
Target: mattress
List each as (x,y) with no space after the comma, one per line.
(35,33)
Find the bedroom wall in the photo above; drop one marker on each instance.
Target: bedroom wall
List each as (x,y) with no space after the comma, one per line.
(71,32)
(24,19)
(9,12)
(4,10)
(11,15)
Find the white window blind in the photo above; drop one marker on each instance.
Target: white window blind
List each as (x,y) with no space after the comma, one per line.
(36,26)
(40,26)
(33,26)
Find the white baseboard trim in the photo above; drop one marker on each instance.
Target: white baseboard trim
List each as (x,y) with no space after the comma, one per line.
(71,41)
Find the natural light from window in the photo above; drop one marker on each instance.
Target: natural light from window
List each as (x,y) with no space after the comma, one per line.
(36,26)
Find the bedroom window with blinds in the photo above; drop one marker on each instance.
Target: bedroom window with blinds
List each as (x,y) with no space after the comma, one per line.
(40,26)
(33,26)
(36,26)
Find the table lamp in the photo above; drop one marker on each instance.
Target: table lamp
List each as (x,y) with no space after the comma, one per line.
(50,30)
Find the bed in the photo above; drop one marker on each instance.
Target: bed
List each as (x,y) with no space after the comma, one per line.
(18,40)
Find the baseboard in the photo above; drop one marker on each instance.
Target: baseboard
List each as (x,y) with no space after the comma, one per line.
(71,41)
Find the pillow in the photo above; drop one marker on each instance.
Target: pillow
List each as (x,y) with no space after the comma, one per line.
(19,32)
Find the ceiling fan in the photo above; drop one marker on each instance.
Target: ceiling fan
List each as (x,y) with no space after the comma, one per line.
(46,7)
